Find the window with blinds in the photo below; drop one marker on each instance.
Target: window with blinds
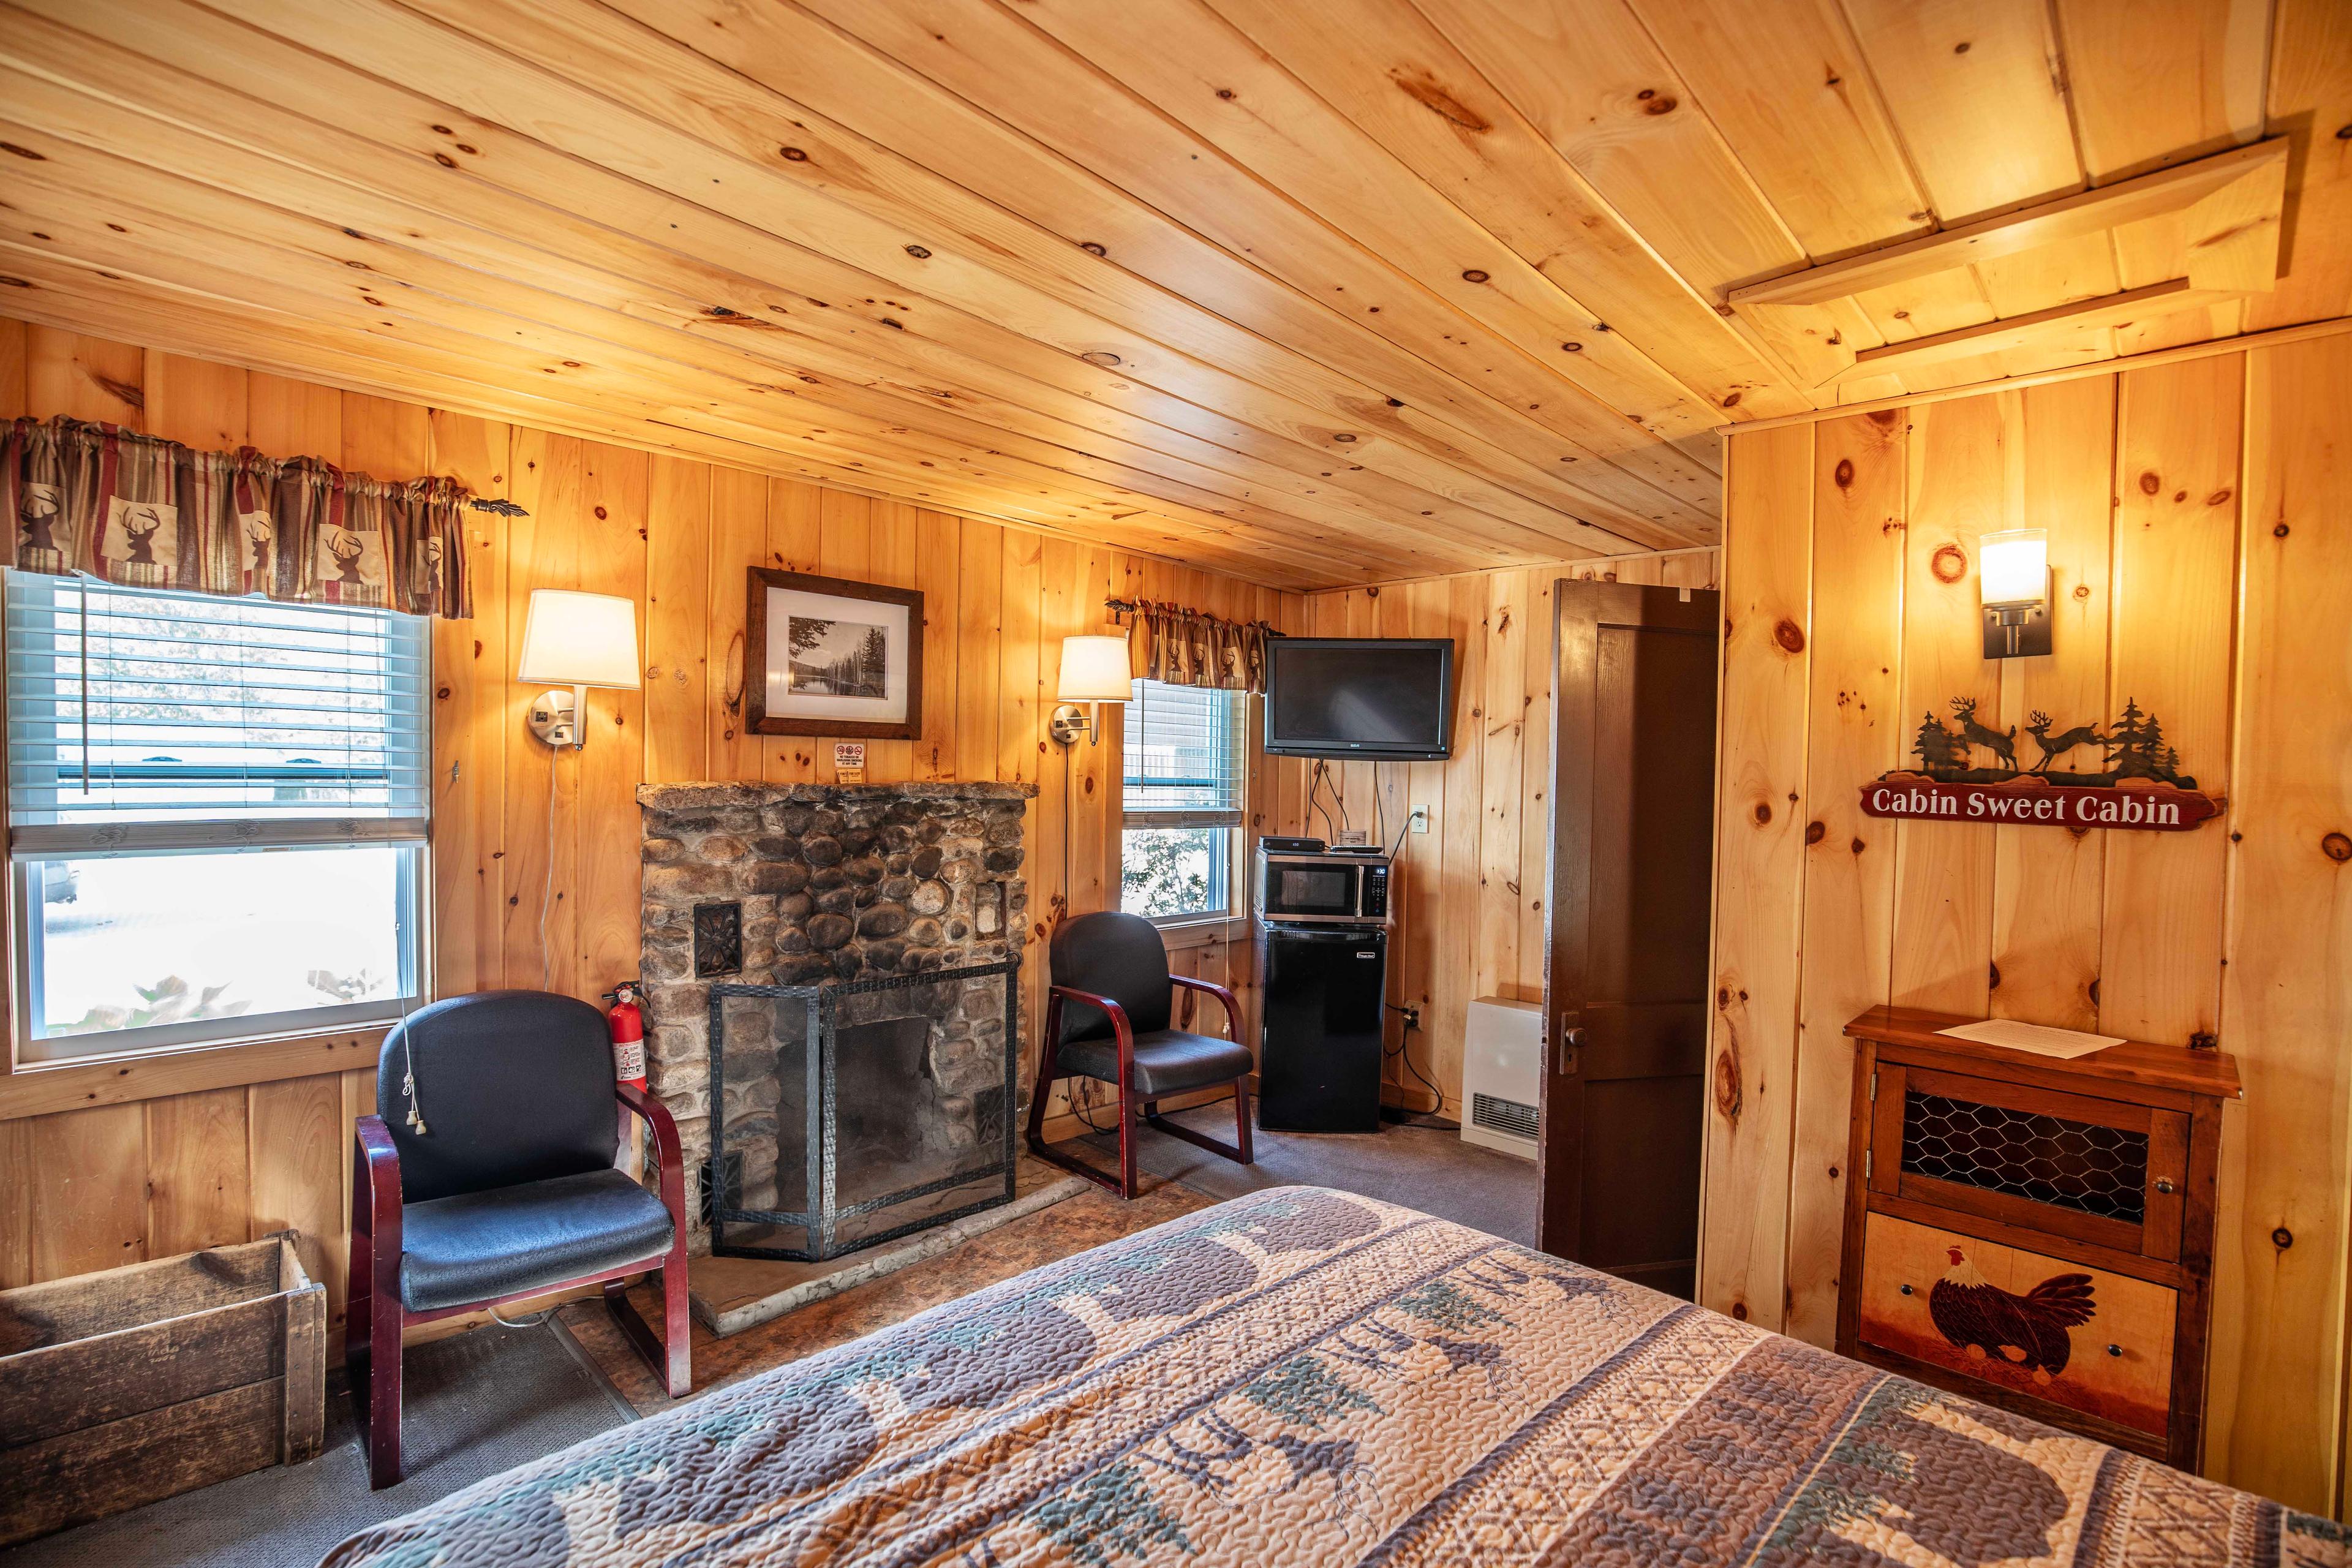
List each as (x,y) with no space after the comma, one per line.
(1185,752)
(216,809)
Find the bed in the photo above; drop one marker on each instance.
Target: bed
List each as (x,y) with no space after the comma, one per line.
(1304,1377)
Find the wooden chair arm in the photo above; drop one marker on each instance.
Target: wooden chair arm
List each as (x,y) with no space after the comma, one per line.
(1121,1030)
(669,1156)
(376,1215)
(1233,1006)
(376,1170)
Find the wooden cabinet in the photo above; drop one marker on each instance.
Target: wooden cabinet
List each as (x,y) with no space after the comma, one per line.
(2036,1232)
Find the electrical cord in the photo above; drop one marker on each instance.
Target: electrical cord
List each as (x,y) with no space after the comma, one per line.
(547,888)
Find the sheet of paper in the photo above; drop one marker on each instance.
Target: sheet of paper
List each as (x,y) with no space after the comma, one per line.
(2064,1043)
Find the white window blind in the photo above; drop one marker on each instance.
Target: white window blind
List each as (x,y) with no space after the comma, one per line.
(140,719)
(1185,751)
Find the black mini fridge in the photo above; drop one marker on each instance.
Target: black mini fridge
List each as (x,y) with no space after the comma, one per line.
(1321,993)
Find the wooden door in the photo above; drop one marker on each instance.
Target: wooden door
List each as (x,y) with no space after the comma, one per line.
(1625,975)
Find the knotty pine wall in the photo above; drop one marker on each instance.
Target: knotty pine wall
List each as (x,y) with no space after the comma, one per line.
(2203,556)
(114,1184)
(1470,891)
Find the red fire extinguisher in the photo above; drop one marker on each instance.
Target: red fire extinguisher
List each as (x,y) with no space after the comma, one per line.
(627,1023)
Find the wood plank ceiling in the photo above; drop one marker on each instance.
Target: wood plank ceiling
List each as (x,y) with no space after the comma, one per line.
(1313,291)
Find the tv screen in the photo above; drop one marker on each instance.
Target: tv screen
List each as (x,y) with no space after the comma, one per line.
(1360,697)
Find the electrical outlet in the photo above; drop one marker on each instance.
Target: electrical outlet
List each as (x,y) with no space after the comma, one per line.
(1421,819)
(1353,836)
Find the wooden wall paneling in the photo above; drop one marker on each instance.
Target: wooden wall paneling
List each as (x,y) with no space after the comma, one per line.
(198,1178)
(88,1173)
(739,540)
(796,542)
(2278,1349)
(678,588)
(17,1211)
(1454,958)
(290,418)
(2219,590)
(2176,546)
(1532,878)
(1094,772)
(1857,731)
(545,477)
(1501,741)
(475,720)
(194,401)
(605,881)
(891,560)
(1021,745)
(13,350)
(1414,955)
(86,377)
(2048,883)
(1760,871)
(1049,865)
(1393,785)
(939,565)
(301,1133)
(980,580)
(1964,484)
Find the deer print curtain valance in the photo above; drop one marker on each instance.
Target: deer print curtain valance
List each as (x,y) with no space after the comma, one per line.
(1186,647)
(143,512)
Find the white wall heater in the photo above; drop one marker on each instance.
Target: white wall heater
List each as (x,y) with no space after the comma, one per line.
(1502,1066)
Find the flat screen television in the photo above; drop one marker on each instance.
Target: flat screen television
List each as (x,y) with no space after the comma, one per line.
(1373,698)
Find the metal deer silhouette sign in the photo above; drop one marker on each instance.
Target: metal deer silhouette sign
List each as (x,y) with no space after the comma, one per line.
(2138,783)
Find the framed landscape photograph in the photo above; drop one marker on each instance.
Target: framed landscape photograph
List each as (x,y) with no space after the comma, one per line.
(830,656)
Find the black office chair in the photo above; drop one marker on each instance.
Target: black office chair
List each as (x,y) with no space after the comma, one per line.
(1108,1017)
(507,1189)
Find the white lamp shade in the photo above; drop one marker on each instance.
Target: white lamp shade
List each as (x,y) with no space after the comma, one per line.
(1094,669)
(2013,568)
(580,639)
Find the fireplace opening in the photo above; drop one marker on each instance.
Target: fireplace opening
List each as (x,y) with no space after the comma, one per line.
(899,1119)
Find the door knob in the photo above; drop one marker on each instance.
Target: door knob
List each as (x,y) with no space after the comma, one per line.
(1571,1047)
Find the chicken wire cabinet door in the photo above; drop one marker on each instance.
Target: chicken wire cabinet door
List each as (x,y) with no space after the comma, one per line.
(2042,1328)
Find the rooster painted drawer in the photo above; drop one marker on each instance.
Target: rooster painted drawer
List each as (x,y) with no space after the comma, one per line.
(2036,1232)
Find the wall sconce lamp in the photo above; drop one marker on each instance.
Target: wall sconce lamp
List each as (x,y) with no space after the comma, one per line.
(2014,582)
(1093,671)
(577,640)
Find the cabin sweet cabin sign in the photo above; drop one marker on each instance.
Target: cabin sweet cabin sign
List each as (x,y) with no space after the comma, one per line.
(2139,783)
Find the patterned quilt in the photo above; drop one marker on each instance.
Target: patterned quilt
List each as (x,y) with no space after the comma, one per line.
(1304,1377)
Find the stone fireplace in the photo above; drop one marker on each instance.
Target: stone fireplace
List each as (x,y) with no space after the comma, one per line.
(875,921)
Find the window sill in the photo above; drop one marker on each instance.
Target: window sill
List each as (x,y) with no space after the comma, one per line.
(46,1088)
(1202,931)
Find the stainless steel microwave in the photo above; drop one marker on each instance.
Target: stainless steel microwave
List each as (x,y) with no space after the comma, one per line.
(1327,888)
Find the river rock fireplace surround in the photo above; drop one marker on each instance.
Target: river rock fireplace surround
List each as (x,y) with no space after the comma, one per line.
(831,982)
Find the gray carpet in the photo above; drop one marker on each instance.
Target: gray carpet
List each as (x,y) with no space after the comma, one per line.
(1420,1167)
(477,1405)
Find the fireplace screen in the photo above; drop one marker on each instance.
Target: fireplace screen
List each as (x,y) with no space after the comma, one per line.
(847,1114)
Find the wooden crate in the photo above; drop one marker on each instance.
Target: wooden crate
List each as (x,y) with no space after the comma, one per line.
(122,1387)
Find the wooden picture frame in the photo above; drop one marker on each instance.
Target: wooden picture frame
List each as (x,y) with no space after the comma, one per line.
(879,704)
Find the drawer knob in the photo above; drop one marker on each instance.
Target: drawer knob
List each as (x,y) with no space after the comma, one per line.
(2164,1183)
(2115,1350)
